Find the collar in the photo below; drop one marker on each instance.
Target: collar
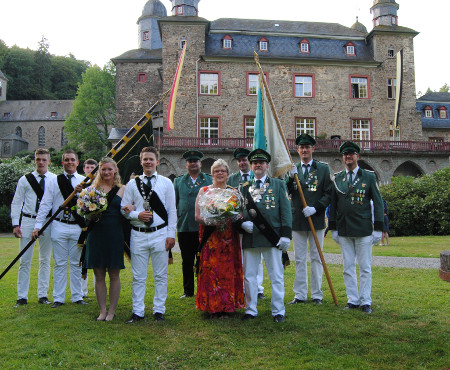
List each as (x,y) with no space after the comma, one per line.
(246,173)
(74,174)
(153,174)
(263,179)
(310,163)
(355,171)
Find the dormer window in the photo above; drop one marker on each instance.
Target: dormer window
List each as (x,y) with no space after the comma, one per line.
(428,112)
(263,44)
(350,48)
(54,114)
(227,42)
(145,36)
(443,112)
(304,46)
(180,10)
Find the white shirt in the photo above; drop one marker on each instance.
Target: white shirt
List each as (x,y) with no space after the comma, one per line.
(262,179)
(307,165)
(354,173)
(249,174)
(26,197)
(164,188)
(53,198)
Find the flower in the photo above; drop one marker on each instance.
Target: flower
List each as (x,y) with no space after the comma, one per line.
(91,202)
(219,205)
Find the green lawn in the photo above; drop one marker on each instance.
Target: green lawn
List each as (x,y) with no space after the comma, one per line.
(408,329)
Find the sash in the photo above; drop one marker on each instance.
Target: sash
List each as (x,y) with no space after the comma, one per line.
(37,189)
(261,223)
(66,189)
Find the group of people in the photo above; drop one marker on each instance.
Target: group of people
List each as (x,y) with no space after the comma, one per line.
(227,257)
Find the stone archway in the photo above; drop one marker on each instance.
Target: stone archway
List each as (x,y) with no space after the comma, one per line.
(408,168)
(365,166)
(206,165)
(166,168)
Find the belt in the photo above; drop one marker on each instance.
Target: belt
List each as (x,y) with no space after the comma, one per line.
(28,215)
(148,229)
(66,221)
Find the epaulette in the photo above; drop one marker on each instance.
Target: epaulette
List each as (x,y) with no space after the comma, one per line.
(322,162)
(247,183)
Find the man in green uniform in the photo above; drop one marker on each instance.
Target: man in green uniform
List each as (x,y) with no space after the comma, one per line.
(352,226)
(315,180)
(186,189)
(268,230)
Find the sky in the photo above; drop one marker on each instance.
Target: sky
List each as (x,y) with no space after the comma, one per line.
(98,30)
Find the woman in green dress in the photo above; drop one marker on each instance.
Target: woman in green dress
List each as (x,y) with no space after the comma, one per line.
(105,240)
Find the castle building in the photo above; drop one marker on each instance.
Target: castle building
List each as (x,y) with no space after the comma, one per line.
(328,80)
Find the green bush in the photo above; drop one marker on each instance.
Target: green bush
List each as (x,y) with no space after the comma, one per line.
(5,219)
(419,206)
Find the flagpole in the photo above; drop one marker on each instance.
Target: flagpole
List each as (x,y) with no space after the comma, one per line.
(300,191)
(112,153)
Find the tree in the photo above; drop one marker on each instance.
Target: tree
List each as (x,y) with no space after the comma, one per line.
(42,72)
(18,68)
(93,112)
(66,76)
(444,88)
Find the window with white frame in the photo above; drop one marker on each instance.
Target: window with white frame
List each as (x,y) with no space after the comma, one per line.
(209,130)
(179,9)
(209,83)
(394,133)
(304,46)
(392,83)
(359,87)
(41,137)
(428,112)
(252,83)
(227,42)
(303,86)
(249,123)
(263,44)
(361,131)
(305,126)
(350,49)
(145,35)
(443,112)
(394,20)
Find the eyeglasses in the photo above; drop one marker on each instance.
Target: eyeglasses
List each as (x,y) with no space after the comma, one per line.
(348,153)
(221,171)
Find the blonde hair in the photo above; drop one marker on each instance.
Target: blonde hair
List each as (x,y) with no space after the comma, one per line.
(220,163)
(117,179)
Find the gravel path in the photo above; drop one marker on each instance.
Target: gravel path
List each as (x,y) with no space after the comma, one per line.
(407,262)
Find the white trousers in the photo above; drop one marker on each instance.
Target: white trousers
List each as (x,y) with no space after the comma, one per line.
(260,277)
(301,240)
(65,238)
(252,260)
(357,249)
(143,247)
(45,252)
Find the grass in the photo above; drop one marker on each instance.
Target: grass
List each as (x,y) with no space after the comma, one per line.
(408,329)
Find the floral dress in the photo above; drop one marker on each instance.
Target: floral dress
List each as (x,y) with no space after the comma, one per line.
(220,285)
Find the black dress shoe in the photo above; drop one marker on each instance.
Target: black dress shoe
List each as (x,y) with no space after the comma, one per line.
(278,318)
(351,306)
(296,300)
(366,308)
(247,316)
(158,316)
(317,301)
(261,296)
(21,302)
(56,304)
(134,318)
(44,300)
(81,302)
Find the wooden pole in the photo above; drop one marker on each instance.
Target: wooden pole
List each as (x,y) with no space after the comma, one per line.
(300,191)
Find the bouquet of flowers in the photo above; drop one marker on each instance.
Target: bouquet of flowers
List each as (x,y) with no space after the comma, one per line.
(218,205)
(91,202)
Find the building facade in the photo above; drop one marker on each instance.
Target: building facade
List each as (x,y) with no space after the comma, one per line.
(331,81)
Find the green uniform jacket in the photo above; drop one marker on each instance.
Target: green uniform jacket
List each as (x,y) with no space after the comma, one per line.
(279,216)
(350,211)
(317,191)
(235,179)
(185,195)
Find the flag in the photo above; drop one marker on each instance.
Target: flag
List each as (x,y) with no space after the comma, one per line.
(173,94)
(128,159)
(268,132)
(398,88)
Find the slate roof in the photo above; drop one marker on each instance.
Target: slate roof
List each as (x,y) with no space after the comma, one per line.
(284,27)
(443,97)
(14,137)
(140,55)
(35,110)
